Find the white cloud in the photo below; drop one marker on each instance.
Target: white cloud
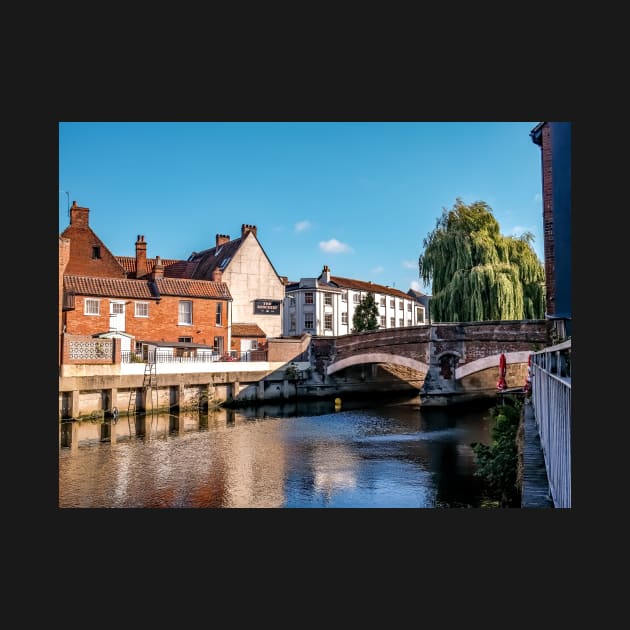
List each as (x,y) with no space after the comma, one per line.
(415,285)
(537,197)
(333,246)
(409,264)
(378,270)
(301,226)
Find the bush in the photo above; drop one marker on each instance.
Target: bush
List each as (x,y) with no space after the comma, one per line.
(497,464)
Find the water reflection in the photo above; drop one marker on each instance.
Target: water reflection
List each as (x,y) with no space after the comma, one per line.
(276,456)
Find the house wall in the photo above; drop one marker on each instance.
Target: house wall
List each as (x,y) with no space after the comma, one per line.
(64,257)
(83,239)
(161,323)
(250,276)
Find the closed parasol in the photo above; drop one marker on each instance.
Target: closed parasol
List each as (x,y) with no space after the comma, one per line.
(502,369)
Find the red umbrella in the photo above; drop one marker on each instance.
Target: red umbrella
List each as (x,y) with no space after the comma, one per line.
(501,382)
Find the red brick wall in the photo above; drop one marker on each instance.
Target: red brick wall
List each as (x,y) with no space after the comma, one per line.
(64,256)
(548,220)
(161,323)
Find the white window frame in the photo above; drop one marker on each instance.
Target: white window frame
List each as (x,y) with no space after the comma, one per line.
(309,297)
(181,313)
(328,321)
(328,299)
(344,318)
(136,312)
(356,298)
(383,321)
(93,302)
(312,321)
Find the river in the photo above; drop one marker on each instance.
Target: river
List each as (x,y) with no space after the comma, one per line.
(301,455)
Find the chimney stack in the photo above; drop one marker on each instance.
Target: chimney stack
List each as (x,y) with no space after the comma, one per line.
(141,257)
(246,229)
(158,270)
(79,217)
(326,273)
(217,275)
(222,238)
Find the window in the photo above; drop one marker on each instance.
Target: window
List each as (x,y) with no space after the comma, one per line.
(219,320)
(254,344)
(92,307)
(96,252)
(328,321)
(308,321)
(392,322)
(292,321)
(185,339)
(344,318)
(308,298)
(383,321)
(401,322)
(291,299)
(382,301)
(142,309)
(420,314)
(409,307)
(344,297)
(392,303)
(356,298)
(409,322)
(401,306)
(118,308)
(185,313)
(218,345)
(328,299)
(224,262)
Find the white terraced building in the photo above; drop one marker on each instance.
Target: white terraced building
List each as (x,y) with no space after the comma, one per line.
(325,305)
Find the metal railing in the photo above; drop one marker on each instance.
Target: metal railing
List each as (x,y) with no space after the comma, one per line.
(551,399)
(127,356)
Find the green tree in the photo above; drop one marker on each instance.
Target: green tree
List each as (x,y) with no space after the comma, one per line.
(366,314)
(477,274)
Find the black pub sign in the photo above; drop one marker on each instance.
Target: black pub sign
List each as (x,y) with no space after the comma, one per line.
(267,307)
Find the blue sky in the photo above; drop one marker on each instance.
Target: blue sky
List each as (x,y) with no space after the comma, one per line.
(358,197)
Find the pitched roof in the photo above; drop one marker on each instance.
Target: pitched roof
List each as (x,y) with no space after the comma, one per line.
(209,259)
(146,289)
(247,330)
(172,268)
(416,294)
(109,287)
(192,288)
(360,285)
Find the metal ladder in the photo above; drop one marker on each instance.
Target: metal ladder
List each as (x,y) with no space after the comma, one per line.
(149,385)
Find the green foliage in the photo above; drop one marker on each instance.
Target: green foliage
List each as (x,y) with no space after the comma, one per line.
(365,315)
(476,274)
(497,464)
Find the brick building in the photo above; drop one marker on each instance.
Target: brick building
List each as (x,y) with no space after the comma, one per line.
(102,293)
(554,140)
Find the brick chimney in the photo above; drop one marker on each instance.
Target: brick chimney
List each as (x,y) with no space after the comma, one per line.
(158,269)
(222,238)
(141,257)
(79,217)
(246,229)
(326,273)
(217,275)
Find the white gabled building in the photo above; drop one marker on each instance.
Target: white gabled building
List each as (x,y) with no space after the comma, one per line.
(325,305)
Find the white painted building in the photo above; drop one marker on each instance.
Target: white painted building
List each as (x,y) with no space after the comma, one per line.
(325,305)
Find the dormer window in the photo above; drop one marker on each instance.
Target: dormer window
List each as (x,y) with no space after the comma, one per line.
(96,252)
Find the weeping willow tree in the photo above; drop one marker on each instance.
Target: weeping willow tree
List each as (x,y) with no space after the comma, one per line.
(476,273)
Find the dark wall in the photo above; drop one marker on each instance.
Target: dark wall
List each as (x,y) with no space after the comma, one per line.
(561,191)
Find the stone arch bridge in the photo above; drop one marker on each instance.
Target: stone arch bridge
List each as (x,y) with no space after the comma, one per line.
(446,362)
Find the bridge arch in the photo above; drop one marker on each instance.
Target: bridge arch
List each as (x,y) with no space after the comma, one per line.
(490,362)
(377,357)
